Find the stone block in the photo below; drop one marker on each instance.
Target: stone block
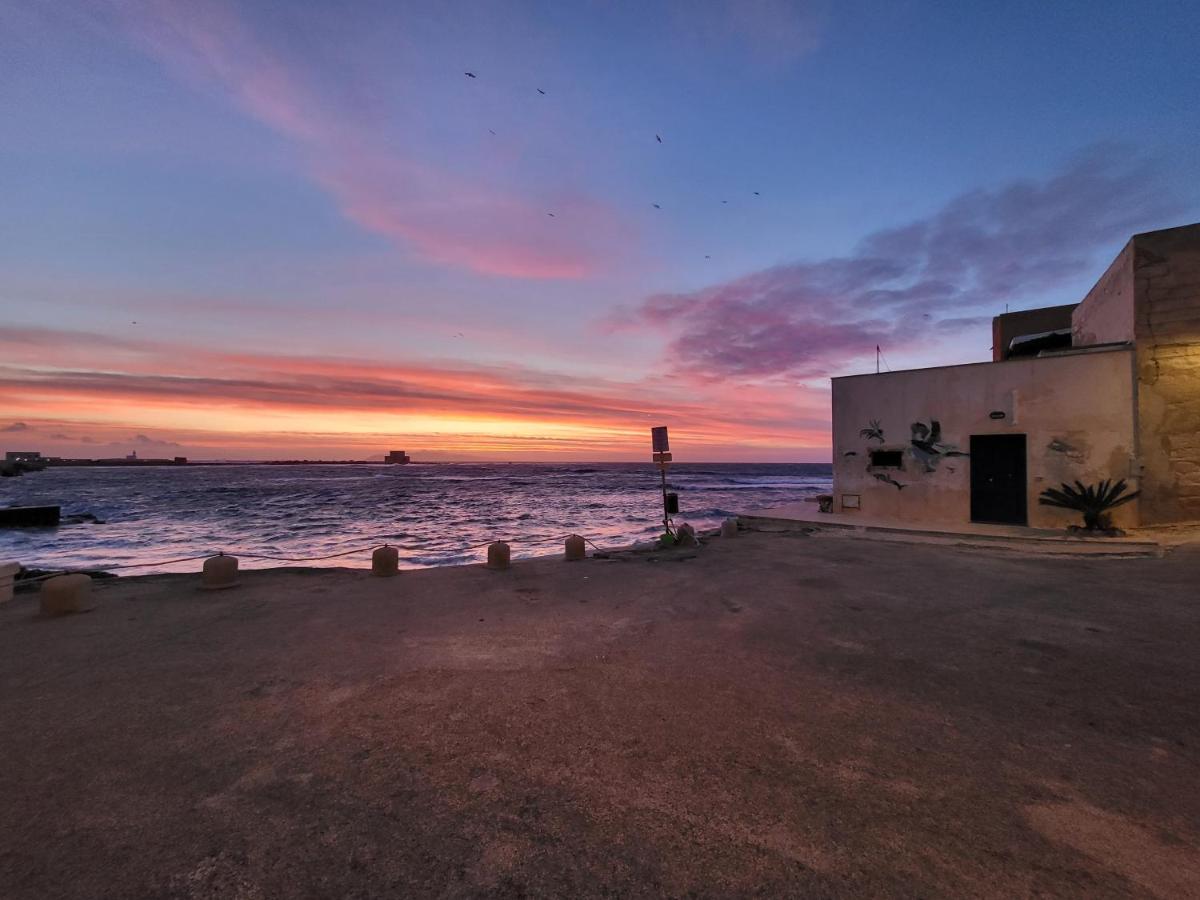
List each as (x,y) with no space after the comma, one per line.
(219,572)
(385,561)
(575,548)
(499,555)
(66,594)
(8,576)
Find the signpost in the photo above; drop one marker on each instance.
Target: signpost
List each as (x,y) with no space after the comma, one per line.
(662,455)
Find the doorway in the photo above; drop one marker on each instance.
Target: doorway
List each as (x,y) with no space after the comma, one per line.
(998,489)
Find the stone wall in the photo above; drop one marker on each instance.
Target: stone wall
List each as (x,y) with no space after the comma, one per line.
(1166,279)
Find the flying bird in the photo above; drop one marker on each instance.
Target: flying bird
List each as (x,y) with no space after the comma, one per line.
(724,201)
(756,193)
(551,215)
(706,256)
(658,137)
(656,206)
(469,74)
(540,91)
(490,131)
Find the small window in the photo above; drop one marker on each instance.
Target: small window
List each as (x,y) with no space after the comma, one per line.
(887,459)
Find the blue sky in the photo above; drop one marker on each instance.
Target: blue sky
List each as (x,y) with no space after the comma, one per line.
(275,185)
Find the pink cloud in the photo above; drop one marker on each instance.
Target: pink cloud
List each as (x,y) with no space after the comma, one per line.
(916,283)
(445,217)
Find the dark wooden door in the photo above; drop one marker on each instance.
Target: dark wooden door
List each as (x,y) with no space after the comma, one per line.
(998,490)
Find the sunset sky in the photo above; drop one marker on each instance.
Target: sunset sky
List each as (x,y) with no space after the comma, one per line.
(299,229)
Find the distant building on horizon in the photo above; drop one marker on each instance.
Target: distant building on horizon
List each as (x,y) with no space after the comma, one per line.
(23,456)
(1108,388)
(398,457)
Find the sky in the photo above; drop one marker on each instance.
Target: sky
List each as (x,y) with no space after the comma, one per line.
(302,230)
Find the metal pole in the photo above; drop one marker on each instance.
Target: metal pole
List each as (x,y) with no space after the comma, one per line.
(662,468)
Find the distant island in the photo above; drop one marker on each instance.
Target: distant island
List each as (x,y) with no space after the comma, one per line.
(20,462)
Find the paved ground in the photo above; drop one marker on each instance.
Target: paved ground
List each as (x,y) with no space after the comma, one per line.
(781,715)
(1148,541)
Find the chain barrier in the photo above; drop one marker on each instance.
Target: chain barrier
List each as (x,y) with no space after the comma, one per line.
(292,559)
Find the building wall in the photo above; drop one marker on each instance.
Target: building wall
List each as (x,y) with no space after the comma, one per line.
(1106,314)
(1166,283)
(1027,321)
(1077,411)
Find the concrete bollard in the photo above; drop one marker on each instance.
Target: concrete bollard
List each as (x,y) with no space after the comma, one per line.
(385,561)
(66,594)
(498,555)
(575,548)
(729,528)
(8,575)
(219,572)
(685,536)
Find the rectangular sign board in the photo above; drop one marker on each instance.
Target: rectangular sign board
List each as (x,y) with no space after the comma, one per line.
(662,457)
(658,437)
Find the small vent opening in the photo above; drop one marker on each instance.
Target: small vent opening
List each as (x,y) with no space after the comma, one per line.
(887,459)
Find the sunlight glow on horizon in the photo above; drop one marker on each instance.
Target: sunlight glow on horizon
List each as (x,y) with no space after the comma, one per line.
(276,230)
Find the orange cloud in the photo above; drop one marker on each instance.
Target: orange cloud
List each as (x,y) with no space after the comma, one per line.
(57,381)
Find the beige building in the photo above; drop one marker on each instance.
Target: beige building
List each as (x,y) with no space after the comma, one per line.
(1105,389)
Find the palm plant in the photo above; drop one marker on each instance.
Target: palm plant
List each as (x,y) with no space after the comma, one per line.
(1094,501)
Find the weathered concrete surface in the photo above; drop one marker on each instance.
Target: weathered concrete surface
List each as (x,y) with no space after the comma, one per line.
(1076,412)
(1007,326)
(779,715)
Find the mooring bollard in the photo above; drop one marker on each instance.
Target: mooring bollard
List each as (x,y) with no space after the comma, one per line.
(385,561)
(575,548)
(8,575)
(498,555)
(66,594)
(729,528)
(220,571)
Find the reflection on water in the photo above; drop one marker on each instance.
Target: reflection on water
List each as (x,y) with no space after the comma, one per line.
(432,513)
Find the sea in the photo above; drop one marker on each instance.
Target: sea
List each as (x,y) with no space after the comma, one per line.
(158,519)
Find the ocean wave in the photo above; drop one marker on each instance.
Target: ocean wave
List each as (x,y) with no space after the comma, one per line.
(157,514)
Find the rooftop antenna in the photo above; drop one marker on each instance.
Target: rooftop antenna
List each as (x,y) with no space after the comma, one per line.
(877,355)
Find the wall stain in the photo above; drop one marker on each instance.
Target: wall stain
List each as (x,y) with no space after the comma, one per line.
(1070,451)
(928,448)
(873,431)
(887,479)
